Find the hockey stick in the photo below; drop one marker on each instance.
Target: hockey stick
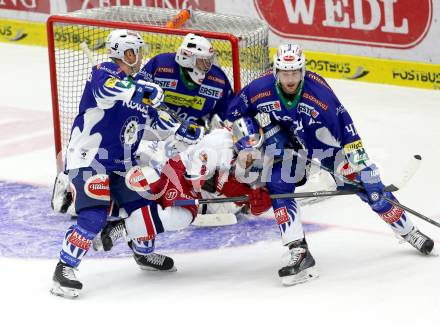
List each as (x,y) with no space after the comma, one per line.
(244,198)
(88,53)
(411,169)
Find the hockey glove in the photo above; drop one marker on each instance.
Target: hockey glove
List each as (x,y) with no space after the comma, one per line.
(148,93)
(189,133)
(370,179)
(259,201)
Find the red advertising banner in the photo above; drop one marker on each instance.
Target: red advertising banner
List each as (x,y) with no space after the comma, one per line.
(381,23)
(61,6)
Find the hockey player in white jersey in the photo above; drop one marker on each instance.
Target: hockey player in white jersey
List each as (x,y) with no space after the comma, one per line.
(100,158)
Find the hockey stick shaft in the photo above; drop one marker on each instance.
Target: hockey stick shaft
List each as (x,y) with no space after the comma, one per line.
(299,195)
(417,214)
(409,172)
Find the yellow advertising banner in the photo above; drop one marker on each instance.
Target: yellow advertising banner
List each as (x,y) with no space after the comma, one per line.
(338,66)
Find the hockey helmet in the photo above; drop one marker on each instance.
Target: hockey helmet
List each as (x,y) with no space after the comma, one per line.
(196,54)
(248,138)
(289,57)
(121,40)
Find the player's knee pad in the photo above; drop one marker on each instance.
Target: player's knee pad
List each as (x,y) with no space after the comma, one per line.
(92,220)
(280,181)
(76,243)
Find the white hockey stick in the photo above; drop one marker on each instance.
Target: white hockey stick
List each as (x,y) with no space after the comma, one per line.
(88,53)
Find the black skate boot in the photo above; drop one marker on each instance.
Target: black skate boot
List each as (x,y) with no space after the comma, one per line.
(301,266)
(155,262)
(65,283)
(109,235)
(420,241)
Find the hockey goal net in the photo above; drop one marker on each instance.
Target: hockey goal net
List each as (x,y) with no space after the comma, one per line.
(241,45)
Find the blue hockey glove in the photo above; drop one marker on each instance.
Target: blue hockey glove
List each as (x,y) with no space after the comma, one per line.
(189,133)
(148,93)
(370,179)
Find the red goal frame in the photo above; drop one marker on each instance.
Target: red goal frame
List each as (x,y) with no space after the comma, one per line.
(116,25)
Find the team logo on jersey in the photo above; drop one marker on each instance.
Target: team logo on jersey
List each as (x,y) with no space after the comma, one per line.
(166,83)
(129,132)
(98,187)
(135,180)
(210,91)
(171,194)
(308,110)
(268,107)
(281,215)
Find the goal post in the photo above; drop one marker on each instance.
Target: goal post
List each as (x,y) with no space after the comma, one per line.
(241,45)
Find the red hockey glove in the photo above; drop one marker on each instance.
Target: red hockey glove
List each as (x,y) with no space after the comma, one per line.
(259,201)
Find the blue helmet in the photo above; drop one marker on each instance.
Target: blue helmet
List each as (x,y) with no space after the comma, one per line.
(247,134)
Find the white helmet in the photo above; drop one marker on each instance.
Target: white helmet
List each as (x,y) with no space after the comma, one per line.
(121,40)
(289,57)
(192,48)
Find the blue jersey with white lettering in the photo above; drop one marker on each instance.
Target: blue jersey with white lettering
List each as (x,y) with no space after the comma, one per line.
(315,117)
(109,126)
(188,99)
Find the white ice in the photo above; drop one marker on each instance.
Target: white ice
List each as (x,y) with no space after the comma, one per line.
(366,277)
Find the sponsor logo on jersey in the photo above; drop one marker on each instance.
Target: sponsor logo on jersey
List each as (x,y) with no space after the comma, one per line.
(216,79)
(181,100)
(315,100)
(110,82)
(171,194)
(281,215)
(267,107)
(79,241)
(308,110)
(98,187)
(392,215)
(166,83)
(164,70)
(258,96)
(135,180)
(210,91)
(138,107)
(353,146)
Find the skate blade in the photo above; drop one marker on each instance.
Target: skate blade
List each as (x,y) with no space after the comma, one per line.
(302,277)
(64,292)
(149,268)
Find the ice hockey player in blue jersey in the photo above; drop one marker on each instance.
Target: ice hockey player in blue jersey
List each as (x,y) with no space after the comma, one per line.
(100,158)
(301,104)
(194,87)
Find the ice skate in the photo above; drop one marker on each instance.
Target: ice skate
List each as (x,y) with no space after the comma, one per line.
(420,241)
(301,266)
(155,262)
(109,235)
(65,283)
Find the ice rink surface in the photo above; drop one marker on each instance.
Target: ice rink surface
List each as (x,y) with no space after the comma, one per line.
(366,276)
